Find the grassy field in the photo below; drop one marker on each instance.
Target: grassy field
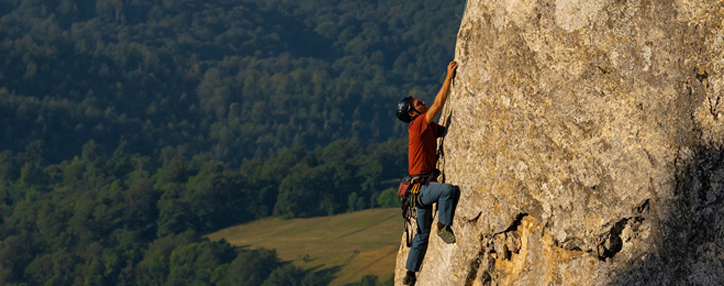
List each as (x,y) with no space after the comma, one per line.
(359,243)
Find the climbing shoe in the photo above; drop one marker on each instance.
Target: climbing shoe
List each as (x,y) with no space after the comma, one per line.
(409,278)
(446,234)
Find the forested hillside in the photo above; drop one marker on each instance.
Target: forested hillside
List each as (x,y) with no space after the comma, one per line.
(132,127)
(239,79)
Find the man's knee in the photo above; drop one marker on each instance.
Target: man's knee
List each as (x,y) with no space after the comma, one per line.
(424,236)
(451,190)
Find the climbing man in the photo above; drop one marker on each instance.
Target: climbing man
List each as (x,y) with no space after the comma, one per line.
(423,132)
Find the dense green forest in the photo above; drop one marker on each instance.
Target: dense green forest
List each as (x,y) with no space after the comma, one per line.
(133,127)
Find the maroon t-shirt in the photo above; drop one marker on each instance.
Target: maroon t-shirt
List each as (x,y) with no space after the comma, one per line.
(422,146)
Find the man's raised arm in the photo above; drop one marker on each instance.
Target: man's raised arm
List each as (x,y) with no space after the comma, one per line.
(441,96)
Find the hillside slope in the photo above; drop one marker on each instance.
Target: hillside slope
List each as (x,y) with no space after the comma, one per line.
(586,137)
(352,245)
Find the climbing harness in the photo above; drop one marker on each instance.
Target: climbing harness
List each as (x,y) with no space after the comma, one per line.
(409,204)
(409,191)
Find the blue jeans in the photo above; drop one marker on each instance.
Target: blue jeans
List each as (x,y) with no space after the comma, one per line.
(446,196)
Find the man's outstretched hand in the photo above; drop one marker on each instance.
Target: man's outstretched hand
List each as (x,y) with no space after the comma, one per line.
(451,67)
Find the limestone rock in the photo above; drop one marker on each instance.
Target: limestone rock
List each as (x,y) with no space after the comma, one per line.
(586,137)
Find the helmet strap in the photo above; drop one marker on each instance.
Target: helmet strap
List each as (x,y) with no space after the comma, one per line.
(415,110)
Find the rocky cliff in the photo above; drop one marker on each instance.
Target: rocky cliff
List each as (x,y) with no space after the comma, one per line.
(586,136)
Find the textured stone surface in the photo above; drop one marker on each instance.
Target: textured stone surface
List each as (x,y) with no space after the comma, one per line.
(586,137)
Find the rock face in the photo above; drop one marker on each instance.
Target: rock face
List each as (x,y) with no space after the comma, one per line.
(586,136)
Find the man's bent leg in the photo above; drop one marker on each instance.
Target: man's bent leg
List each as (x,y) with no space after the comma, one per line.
(446,196)
(419,243)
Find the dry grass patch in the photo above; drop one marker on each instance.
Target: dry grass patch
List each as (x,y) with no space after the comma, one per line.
(360,243)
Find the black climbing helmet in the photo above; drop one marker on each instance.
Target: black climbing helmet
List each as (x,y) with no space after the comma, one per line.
(403,109)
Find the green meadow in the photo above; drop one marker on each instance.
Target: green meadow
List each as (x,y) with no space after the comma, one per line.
(354,244)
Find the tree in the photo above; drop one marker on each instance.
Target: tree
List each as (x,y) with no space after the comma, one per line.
(154,268)
(250,267)
(299,192)
(15,255)
(175,214)
(215,197)
(9,171)
(285,275)
(194,264)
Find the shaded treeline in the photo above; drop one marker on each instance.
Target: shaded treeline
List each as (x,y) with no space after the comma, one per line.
(130,128)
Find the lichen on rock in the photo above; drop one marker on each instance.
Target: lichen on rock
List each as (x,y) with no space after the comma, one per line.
(586,137)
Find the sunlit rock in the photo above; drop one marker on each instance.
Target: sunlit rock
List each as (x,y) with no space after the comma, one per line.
(586,137)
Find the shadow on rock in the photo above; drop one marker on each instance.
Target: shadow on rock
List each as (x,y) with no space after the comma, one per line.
(690,233)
